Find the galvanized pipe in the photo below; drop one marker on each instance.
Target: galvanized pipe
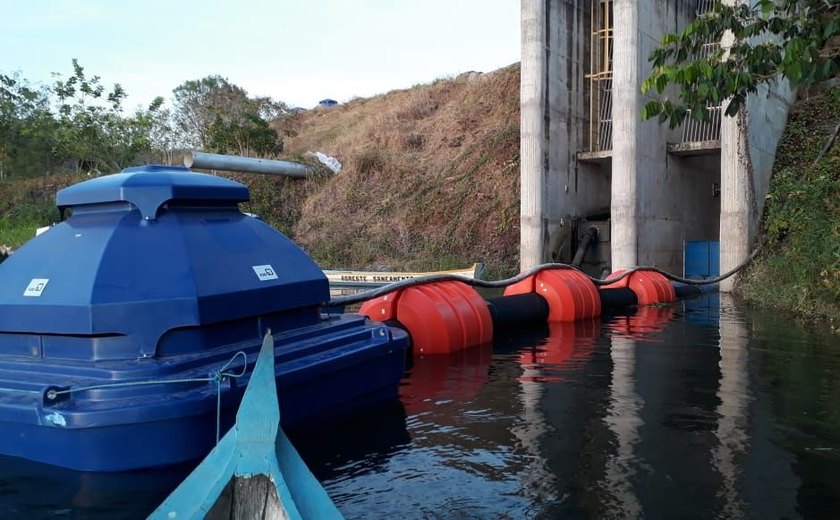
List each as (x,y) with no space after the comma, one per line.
(233,163)
(590,235)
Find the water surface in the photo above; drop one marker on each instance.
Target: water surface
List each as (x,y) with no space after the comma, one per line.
(703,409)
(698,410)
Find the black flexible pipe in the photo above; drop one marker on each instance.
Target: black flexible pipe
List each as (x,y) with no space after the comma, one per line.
(590,235)
(508,312)
(687,291)
(380,291)
(615,298)
(511,312)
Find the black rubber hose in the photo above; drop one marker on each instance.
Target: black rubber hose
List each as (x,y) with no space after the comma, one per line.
(685,292)
(510,311)
(385,289)
(619,297)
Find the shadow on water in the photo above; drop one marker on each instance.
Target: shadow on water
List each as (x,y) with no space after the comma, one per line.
(702,409)
(32,490)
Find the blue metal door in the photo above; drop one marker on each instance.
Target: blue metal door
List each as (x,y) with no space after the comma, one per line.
(701,259)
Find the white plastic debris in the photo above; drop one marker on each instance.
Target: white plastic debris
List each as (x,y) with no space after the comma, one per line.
(330,162)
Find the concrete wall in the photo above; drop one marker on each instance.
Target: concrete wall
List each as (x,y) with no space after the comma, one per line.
(658,200)
(555,40)
(748,148)
(574,189)
(700,205)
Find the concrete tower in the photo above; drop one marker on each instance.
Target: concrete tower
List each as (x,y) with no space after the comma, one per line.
(588,158)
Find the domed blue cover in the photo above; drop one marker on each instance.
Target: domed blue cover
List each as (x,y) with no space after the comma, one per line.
(145,252)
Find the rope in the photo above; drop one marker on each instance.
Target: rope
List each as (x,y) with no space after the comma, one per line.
(487,284)
(217,377)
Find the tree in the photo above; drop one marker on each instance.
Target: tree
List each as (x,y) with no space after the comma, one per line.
(162,135)
(198,102)
(74,122)
(214,114)
(248,133)
(769,39)
(26,127)
(92,128)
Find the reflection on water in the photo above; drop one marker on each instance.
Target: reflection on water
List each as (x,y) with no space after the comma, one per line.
(732,426)
(703,409)
(688,411)
(623,421)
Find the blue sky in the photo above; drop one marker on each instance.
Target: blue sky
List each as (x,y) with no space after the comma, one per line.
(297,51)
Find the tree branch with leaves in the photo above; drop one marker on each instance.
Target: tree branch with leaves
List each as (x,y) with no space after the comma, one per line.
(792,39)
(216,115)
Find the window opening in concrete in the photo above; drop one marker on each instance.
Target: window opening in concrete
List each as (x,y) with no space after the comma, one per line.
(601,76)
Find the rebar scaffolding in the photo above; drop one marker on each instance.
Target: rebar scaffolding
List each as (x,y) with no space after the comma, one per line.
(600,76)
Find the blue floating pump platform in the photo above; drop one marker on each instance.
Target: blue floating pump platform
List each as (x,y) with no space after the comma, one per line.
(118,325)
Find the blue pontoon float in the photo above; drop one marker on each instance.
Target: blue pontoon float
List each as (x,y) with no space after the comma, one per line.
(123,327)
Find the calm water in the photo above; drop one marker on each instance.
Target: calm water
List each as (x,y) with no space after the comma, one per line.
(700,410)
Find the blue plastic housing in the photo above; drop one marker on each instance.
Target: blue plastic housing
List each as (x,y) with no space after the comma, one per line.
(157,276)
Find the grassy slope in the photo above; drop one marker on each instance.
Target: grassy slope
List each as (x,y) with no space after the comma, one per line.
(430,180)
(799,268)
(430,176)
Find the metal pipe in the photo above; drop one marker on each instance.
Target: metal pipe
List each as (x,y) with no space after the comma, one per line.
(233,163)
(590,235)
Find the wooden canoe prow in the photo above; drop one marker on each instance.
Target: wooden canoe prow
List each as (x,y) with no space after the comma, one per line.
(254,471)
(248,497)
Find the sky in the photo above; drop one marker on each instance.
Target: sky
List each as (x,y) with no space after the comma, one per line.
(296,51)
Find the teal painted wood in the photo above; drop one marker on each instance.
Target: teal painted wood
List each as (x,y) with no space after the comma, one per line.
(256,445)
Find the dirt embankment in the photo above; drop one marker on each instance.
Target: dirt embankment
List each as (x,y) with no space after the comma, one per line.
(430,176)
(430,180)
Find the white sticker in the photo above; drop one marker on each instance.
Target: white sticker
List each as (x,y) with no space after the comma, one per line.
(36,287)
(264,272)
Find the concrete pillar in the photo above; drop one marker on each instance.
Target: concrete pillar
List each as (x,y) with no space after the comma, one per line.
(736,192)
(747,151)
(737,197)
(553,126)
(625,116)
(532,134)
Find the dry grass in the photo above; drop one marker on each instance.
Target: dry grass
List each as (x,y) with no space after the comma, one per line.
(430,176)
(430,179)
